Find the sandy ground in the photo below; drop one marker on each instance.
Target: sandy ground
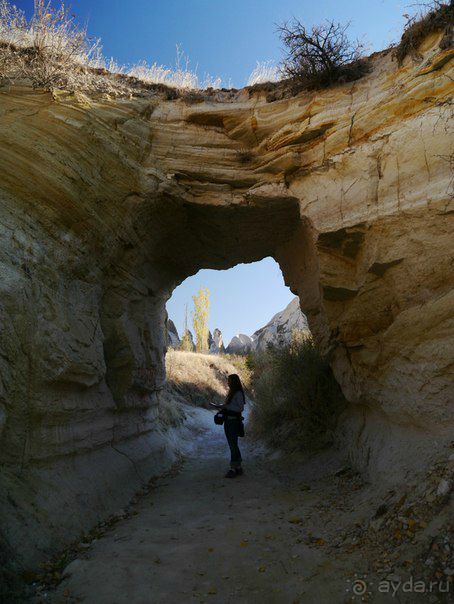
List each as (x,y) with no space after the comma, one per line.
(264,537)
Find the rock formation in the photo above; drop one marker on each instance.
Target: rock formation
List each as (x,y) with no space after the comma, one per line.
(217,344)
(279,330)
(107,204)
(173,340)
(239,344)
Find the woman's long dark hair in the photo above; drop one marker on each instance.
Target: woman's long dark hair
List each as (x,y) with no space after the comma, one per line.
(234,386)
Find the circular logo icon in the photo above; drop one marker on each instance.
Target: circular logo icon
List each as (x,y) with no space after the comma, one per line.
(359,587)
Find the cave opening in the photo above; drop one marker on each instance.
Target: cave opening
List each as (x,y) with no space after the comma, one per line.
(195,237)
(241,300)
(247,309)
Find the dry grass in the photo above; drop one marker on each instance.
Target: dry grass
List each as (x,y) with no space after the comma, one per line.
(181,77)
(45,49)
(431,17)
(52,50)
(264,71)
(197,378)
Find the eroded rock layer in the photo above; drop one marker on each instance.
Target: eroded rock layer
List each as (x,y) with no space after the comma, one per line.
(108,204)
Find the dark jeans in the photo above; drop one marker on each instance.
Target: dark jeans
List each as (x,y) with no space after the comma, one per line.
(231,429)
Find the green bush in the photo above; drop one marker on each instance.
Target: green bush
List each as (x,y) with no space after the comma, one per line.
(297,399)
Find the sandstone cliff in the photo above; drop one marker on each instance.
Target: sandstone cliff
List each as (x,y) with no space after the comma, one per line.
(107,204)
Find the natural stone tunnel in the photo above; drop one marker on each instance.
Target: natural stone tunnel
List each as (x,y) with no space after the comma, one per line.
(108,204)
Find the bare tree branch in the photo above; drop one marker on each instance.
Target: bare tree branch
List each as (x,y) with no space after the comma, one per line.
(321,55)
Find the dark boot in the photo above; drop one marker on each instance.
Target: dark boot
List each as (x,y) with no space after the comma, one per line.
(231,473)
(239,471)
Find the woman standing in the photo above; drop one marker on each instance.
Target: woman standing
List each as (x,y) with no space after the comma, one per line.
(233,424)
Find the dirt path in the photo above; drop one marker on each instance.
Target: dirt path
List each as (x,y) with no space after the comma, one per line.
(198,537)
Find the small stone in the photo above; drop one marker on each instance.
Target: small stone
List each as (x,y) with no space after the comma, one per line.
(443,488)
(449,572)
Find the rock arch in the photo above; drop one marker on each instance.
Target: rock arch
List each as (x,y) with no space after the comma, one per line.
(107,204)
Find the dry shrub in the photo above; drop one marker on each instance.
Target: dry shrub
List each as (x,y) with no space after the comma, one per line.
(320,56)
(431,17)
(297,399)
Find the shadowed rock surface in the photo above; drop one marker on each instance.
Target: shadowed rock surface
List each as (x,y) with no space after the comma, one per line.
(108,204)
(173,338)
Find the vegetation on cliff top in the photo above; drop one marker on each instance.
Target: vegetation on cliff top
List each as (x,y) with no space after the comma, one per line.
(433,16)
(51,50)
(320,56)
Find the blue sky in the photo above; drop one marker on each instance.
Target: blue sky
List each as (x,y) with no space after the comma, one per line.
(226,38)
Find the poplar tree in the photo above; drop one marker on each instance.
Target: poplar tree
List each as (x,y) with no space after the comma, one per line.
(200,316)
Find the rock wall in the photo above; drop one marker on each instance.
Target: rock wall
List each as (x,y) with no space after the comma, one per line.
(108,204)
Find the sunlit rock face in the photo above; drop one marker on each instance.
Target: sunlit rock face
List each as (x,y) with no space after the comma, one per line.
(281,328)
(217,342)
(239,344)
(108,204)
